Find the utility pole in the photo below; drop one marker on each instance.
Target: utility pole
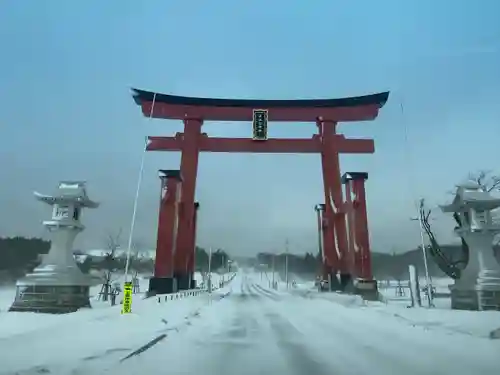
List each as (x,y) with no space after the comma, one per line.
(427,276)
(274,257)
(210,271)
(286,262)
(223,267)
(424,254)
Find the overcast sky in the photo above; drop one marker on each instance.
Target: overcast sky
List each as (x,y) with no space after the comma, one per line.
(66,110)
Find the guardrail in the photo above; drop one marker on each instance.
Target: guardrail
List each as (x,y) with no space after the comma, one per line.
(403,289)
(190,292)
(179,295)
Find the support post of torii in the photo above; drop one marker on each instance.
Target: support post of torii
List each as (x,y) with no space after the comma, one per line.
(359,242)
(163,280)
(192,258)
(189,169)
(326,113)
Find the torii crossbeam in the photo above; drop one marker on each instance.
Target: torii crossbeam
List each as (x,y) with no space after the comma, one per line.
(178,254)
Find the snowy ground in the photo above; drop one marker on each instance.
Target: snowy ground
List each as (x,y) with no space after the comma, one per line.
(247,328)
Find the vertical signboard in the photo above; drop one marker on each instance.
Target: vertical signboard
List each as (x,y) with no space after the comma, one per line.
(127,298)
(260,117)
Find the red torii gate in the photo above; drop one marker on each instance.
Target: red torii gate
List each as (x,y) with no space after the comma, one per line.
(177,221)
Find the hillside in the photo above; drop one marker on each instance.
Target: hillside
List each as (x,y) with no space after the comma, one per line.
(385,265)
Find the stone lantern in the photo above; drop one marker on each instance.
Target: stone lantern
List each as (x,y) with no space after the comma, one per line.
(478,287)
(57,285)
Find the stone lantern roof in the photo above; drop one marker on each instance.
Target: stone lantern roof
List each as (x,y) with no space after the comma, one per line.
(471,196)
(69,192)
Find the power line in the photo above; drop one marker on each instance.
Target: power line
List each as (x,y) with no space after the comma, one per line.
(136,200)
(418,204)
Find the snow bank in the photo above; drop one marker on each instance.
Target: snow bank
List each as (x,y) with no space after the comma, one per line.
(90,334)
(346,300)
(472,323)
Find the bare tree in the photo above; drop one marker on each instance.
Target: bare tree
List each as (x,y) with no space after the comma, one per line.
(489,182)
(139,254)
(486,179)
(113,241)
(140,261)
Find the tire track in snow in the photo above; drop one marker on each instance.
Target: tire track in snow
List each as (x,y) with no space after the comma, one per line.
(274,296)
(145,347)
(290,341)
(394,347)
(251,293)
(326,334)
(246,345)
(260,290)
(157,339)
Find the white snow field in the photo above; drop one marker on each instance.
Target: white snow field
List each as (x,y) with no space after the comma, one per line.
(247,328)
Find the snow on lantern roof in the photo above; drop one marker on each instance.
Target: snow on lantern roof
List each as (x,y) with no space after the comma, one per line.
(69,192)
(471,195)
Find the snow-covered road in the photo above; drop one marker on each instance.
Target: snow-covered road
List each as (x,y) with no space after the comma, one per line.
(250,329)
(258,331)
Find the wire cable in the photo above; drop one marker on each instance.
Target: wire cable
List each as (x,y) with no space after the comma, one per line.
(409,161)
(136,200)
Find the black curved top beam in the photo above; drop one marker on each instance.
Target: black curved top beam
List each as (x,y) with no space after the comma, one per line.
(379,99)
(348,176)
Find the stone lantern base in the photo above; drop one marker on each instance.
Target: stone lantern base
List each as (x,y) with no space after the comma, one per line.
(51,299)
(479,286)
(475,299)
(52,289)
(367,289)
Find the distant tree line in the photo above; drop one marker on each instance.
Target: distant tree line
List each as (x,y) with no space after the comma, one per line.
(143,263)
(307,264)
(384,265)
(395,266)
(19,255)
(219,259)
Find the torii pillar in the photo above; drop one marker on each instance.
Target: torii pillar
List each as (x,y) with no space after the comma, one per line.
(359,254)
(163,280)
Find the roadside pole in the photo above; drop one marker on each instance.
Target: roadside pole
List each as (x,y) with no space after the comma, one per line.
(286,263)
(428,279)
(274,257)
(210,271)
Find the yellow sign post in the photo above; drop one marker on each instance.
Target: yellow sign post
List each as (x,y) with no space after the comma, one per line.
(127,298)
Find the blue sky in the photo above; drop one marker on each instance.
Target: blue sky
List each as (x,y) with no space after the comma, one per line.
(66,110)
